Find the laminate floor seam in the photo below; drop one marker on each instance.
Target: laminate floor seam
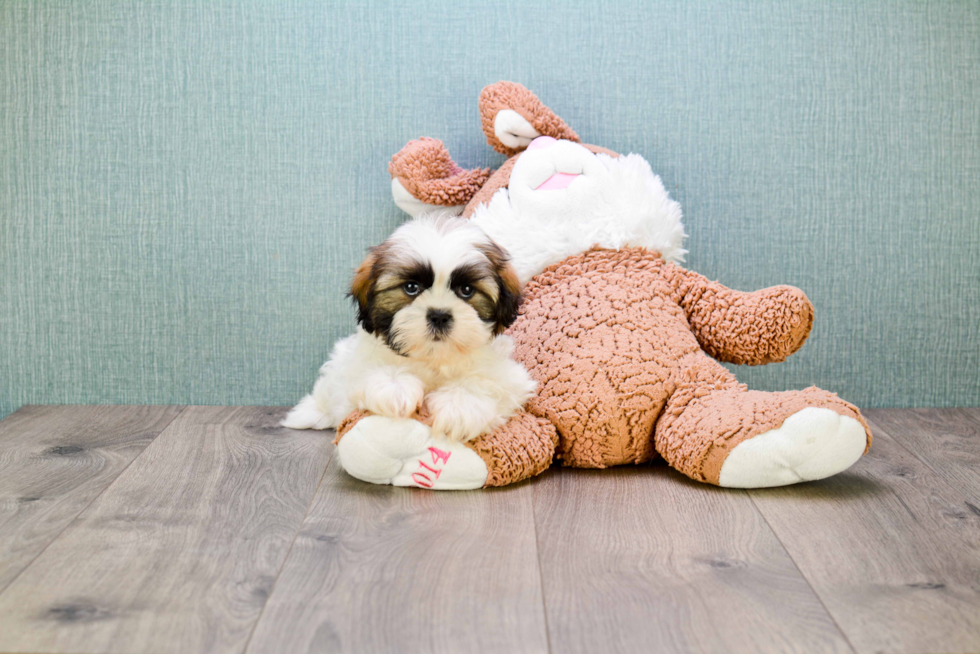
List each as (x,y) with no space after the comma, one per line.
(881,431)
(299,530)
(884,543)
(801,573)
(914,453)
(537,557)
(85,508)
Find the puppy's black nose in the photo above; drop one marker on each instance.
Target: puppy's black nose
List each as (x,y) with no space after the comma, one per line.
(439,320)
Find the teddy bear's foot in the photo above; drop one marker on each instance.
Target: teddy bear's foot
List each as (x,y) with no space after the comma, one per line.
(403,452)
(727,435)
(813,443)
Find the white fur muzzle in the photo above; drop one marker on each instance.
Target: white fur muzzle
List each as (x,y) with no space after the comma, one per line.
(433,300)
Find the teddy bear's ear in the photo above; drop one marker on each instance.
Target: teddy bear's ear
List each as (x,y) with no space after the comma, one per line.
(512,117)
(424,178)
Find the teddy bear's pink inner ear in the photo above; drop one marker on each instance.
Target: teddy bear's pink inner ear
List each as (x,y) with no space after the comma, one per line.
(513,130)
(512,117)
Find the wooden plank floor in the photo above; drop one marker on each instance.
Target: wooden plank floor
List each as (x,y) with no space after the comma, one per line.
(212,530)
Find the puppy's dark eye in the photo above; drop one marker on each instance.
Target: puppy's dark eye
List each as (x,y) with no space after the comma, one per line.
(411,288)
(465,292)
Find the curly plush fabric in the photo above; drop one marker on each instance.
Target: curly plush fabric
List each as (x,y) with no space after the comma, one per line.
(497,181)
(765,326)
(616,341)
(707,417)
(522,448)
(508,95)
(422,415)
(624,345)
(426,170)
(348,423)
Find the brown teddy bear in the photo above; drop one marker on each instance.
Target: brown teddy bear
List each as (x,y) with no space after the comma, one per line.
(621,340)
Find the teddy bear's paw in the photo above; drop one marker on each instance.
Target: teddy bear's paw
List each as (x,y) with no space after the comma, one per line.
(402,452)
(811,444)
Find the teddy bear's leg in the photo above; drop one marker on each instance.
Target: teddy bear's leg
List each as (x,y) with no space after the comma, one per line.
(715,430)
(403,452)
(425,178)
(522,447)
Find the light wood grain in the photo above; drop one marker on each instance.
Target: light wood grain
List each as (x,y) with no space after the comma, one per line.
(201,545)
(643,559)
(892,550)
(946,440)
(973,413)
(180,553)
(54,460)
(381,569)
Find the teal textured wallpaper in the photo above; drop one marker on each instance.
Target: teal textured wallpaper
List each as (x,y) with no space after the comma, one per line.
(186,185)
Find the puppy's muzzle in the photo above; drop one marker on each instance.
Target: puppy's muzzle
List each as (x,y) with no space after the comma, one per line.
(440,322)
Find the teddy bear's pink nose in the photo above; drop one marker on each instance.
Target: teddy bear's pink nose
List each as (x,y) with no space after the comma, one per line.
(541,142)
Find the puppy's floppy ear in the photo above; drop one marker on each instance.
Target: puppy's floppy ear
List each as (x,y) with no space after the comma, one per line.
(362,287)
(509,294)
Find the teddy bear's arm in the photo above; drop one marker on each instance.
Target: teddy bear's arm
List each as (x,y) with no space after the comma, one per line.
(750,328)
(424,177)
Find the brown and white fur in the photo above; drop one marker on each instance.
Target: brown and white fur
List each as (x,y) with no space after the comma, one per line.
(433,302)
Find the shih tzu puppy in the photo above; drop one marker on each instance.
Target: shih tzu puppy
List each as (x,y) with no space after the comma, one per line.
(432,304)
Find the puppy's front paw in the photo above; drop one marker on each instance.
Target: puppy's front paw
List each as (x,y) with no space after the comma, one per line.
(395,396)
(461,416)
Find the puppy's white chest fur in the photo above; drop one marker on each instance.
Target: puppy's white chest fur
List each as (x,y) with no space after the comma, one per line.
(481,362)
(433,301)
(466,396)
